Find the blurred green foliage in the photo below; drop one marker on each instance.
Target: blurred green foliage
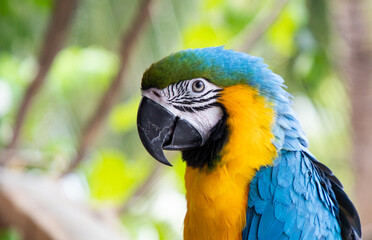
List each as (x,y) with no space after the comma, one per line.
(112,177)
(9,234)
(123,116)
(296,46)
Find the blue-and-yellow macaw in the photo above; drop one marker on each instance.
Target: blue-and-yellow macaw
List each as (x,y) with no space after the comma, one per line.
(249,172)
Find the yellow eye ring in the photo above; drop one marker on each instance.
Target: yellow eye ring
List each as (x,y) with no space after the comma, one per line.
(198,86)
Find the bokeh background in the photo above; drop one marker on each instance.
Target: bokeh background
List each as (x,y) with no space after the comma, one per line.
(70,74)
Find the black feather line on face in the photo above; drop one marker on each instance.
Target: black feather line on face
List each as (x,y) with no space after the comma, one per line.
(197,100)
(195,109)
(208,154)
(203,95)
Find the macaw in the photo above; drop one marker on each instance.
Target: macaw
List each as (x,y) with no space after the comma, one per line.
(249,172)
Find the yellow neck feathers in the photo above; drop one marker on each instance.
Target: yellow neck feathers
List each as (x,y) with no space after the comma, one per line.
(217,198)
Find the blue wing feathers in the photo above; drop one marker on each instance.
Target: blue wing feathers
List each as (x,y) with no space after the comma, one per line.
(306,231)
(282,196)
(252,231)
(291,144)
(288,201)
(249,222)
(295,234)
(258,202)
(274,232)
(274,175)
(260,206)
(297,197)
(285,176)
(283,237)
(293,132)
(290,221)
(267,219)
(284,123)
(269,227)
(263,190)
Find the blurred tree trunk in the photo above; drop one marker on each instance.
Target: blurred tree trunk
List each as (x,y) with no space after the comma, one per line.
(54,39)
(91,130)
(355,27)
(36,206)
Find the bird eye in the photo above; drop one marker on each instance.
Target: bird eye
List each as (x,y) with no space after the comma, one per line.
(198,86)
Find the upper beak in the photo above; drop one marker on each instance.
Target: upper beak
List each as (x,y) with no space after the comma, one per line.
(160,129)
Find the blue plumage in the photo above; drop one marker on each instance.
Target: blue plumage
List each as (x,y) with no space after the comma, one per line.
(295,198)
(294,206)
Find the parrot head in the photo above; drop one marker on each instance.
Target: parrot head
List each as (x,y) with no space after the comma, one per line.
(187,99)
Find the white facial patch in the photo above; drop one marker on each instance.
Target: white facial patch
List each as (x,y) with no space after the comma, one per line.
(193,100)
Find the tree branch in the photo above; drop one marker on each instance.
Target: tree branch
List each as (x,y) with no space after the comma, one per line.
(35,205)
(53,42)
(92,128)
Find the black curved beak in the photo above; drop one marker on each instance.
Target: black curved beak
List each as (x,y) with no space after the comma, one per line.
(160,129)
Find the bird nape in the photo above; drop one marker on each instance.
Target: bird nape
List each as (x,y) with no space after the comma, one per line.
(249,172)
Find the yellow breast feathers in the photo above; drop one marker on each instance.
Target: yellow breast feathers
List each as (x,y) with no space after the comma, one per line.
(217,198)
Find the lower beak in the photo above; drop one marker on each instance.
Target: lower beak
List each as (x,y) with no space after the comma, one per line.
(160,129)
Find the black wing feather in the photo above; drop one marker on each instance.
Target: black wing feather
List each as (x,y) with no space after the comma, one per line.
(348,215)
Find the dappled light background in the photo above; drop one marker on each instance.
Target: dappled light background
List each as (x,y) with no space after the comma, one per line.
(102,165)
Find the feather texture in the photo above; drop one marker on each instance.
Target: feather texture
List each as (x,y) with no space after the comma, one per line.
(264,174)
(308,199)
